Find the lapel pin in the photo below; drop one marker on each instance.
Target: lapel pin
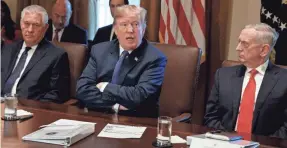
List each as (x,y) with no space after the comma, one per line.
(136,59)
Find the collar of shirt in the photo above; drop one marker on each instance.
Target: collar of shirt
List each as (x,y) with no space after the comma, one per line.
(59,33)
(112,34)
(33,48)
(261,69)
(122,49)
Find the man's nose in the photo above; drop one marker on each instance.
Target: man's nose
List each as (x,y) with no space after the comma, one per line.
(30,28)
(130,28)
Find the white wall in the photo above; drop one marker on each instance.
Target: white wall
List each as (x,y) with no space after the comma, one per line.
(243,12)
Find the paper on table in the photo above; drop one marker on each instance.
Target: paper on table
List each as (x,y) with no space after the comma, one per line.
(176,139)
(122,131)
(22,113)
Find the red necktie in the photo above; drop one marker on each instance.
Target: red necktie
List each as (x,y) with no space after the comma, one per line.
(56,37)
(245,116)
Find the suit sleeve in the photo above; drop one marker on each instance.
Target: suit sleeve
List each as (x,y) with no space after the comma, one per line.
(87,92)
(59,81)
(282,131)
(149,84)
(212,116)
(85,38)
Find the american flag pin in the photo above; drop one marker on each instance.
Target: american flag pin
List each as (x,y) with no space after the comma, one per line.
(136,59)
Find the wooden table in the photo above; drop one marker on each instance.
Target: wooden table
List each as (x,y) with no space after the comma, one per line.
(45,113)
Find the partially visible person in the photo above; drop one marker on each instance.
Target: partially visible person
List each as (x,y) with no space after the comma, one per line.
(60,29)
(7,25)
(34,68)
(125,75)
(107,33)
(250,98)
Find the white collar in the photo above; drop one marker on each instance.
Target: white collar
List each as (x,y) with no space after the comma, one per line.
(261,68)
(122,49)
(33,47)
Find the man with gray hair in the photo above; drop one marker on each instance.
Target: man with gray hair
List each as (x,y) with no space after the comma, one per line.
(250,98)
(33,68)
(60,29)
(124,75)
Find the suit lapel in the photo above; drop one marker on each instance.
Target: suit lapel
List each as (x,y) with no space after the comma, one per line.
(13,58)
(268,83)
(237,82)
(134,58)
(65,34)
(39,53)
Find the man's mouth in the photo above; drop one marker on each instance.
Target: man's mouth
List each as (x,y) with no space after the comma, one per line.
(130,38)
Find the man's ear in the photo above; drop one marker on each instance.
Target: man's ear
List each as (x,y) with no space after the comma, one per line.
(265,50)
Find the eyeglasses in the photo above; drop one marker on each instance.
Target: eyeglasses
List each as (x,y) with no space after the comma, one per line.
(124,26)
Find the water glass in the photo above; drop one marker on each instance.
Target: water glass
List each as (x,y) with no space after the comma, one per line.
(10,101)
(164,127)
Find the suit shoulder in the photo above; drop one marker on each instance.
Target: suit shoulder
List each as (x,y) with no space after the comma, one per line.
(153,51)
(105,28)
(229,70)
(53,49)
(101,47)
(77,28)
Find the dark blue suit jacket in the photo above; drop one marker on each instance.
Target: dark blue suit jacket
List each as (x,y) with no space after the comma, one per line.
(270,113)
(47,75)
(141,78)
(103,34)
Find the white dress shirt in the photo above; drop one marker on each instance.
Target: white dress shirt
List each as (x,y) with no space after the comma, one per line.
(112,34)
(104,84)
(29,56)
(60,33)
(258,79)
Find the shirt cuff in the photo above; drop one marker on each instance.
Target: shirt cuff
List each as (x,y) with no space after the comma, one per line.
(116,107)
(104,84)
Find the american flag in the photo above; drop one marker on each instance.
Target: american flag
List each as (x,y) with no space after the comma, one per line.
(182,22)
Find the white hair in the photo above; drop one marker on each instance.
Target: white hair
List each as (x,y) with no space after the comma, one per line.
(266,34)
(36,9)
(131,9)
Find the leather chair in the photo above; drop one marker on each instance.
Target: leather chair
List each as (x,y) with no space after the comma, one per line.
(77,54)
(180,81)
(228,63)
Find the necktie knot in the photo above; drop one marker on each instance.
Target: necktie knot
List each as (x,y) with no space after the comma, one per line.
(253,72)
(124,54)
(27,49)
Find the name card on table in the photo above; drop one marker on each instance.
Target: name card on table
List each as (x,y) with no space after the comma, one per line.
(122,131)
(200,141)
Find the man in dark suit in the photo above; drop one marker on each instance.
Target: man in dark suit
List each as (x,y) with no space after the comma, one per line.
(35,68)
(106,33)
(124,75)
(59,27)
(251,98)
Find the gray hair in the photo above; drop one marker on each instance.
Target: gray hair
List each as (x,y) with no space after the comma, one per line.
(36,9)
(266,34)
(131,9)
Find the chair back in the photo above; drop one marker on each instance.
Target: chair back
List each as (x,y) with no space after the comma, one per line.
(77,54)
(180,79)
